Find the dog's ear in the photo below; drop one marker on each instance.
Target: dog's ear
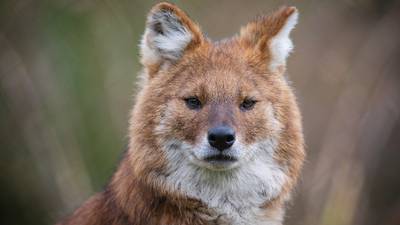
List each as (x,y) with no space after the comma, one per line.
(169,33)
(269,37)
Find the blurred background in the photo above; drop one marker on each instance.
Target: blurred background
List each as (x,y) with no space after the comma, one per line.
(67,74)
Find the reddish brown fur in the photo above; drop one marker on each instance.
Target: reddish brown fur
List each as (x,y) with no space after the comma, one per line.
(221,74)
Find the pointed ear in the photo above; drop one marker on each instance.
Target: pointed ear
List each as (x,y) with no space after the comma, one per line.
(269,37)
(169,33)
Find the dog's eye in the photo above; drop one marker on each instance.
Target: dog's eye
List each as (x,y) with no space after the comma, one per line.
(247,104)
(193,103)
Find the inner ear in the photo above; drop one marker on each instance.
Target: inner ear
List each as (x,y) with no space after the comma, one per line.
(157,27)
(268,36)
(169,34)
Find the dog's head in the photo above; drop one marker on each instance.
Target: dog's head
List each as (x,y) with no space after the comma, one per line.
(216,106)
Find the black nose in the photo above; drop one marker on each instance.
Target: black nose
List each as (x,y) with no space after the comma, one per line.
(221,137)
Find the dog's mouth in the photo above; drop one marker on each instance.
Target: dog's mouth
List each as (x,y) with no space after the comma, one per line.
(215,160)
(219,162)
(220,158)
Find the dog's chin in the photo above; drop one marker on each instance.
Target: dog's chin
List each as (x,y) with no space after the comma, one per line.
(219,162)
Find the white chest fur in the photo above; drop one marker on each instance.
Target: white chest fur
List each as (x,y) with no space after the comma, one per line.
(236,195)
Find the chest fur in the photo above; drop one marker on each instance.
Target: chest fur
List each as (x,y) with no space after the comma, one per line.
(235,196)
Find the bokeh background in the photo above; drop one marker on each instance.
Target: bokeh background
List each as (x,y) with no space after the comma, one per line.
(67,74)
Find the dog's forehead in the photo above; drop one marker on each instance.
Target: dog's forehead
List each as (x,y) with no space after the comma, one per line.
(219,83)
(216,57)
(217,68)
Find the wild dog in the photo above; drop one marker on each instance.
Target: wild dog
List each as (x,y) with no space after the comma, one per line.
(215,133)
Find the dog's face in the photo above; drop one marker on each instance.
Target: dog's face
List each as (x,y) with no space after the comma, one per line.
(220,108)
(217,106)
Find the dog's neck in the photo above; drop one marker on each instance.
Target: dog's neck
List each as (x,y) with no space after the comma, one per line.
(144,203)
(193,202)
(238,195)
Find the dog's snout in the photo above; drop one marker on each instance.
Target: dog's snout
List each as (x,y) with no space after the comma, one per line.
(221,137)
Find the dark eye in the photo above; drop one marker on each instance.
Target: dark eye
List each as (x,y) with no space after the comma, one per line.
(193,103)
(247,104)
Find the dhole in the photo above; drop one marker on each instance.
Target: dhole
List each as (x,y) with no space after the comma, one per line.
(215,134)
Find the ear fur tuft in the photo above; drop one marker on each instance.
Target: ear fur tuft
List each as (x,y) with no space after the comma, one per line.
(281,45)
(169,32)
(270,35)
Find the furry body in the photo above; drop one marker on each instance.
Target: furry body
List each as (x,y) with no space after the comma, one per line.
(165,176)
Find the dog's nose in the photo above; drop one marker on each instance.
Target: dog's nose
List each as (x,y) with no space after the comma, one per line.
(221,137)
